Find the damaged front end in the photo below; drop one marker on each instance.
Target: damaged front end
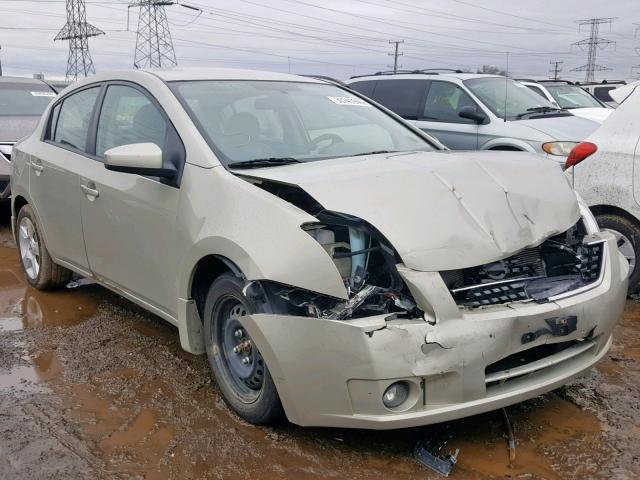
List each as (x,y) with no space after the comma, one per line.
(561,265)
(367,265)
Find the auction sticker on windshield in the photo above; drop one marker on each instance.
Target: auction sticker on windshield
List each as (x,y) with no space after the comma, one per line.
(43,94)
(353,101)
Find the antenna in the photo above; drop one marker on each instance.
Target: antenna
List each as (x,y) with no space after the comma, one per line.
(506,88)
(78,31)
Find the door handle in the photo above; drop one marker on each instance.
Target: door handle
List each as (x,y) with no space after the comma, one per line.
(90,190)
(37,167)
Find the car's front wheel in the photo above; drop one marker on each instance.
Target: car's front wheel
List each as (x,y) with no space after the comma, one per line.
(240,371)
(41,272)
(628,238)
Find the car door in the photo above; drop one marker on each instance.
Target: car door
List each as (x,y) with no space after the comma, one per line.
(54,185)
(128,219)
(440,118)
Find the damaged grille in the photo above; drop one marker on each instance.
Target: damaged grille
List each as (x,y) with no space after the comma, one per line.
(561,264)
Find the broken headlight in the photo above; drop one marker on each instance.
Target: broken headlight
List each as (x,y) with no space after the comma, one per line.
(367,264)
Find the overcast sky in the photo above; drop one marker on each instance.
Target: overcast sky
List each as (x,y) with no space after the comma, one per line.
(339,38)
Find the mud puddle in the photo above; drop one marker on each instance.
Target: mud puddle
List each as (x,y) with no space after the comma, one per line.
(93,387)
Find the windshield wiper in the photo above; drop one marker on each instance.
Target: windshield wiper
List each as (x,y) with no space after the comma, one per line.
(264,162)
(373,153)
(533,110)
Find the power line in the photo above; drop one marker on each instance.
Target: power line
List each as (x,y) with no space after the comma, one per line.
(556,69)
(591,45)
(78,32)
(154,47)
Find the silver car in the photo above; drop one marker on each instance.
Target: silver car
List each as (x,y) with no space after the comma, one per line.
(22,101)
(333,262)
(467,111)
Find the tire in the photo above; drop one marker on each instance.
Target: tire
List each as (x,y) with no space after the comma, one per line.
(247,388)
(627,233)
(40,270)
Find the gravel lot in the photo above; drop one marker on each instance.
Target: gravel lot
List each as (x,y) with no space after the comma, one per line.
(93,387)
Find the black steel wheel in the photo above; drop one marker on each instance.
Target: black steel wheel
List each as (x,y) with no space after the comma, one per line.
(239,369)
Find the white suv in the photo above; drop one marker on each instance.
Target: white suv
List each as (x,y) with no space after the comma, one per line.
(333,263)
(468,111)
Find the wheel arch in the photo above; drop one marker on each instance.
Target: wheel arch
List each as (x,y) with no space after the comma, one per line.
(204,273)
(604,209)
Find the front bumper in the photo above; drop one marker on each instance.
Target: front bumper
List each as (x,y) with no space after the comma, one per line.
(333,373)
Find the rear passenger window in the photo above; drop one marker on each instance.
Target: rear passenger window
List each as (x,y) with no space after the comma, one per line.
(72,124)
(602,93)
(128,116)
(445,101)
(403,97)
(365,88)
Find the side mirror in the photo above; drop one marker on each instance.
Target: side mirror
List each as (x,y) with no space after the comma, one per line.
(139,158)
(472,114)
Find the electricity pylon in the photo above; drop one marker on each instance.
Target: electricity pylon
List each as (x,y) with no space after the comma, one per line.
(154,47)
(78,31)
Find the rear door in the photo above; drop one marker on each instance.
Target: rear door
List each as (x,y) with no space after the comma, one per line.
(129,220)
(439,116)
(53,180)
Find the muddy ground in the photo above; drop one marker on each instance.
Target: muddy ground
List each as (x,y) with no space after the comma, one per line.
(93,387)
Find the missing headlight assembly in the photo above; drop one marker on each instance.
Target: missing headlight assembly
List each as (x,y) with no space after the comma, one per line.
(367,264)
(561,265)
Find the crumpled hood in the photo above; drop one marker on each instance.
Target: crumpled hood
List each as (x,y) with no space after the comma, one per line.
(443,210)
(14,128)
(568,128)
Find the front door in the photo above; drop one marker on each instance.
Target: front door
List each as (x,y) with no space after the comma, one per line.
(129,220)
(440,117)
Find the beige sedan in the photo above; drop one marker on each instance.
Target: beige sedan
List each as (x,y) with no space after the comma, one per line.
(336,264)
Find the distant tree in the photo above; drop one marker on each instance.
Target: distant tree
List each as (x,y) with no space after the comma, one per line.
(492,70)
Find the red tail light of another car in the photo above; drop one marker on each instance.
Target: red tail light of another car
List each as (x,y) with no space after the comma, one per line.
(579,153)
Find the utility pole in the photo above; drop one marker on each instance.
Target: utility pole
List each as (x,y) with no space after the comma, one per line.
(591,45)
(637,49)
(0,62)
(78,31)
(395,54)
(556,69)
(154,47)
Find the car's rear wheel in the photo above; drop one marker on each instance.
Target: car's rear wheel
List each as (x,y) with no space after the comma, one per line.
(239,369)
(41,272)
(628,239)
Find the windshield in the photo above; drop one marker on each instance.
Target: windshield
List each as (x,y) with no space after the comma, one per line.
(24,99)
(253,120)
(507,98)
(570,96)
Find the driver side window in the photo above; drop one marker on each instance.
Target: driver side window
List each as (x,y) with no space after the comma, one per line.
(127,117)
(444,101)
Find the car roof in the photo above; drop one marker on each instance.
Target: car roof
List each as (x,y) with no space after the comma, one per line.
(186,74)
(22,80)
(418,76)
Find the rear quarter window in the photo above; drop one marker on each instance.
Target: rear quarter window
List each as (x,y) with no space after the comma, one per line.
(366,88)
(404,97)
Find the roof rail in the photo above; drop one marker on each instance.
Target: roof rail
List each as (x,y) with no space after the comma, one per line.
(424,71)
(452,70)
(568,82)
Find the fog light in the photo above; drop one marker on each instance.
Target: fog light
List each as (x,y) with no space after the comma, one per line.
(395,395)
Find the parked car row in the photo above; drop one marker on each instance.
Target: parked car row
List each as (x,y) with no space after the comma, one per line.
(337,264)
